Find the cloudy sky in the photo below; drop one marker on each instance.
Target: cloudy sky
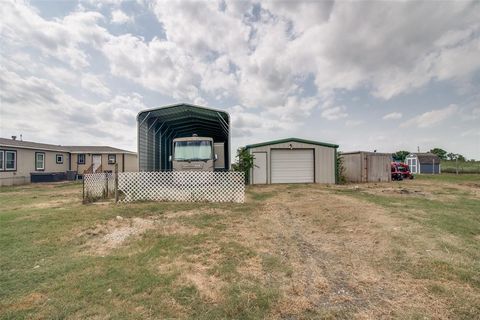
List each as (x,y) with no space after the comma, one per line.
(369,75)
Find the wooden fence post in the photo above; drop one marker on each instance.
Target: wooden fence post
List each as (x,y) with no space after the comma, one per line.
(116,182)
(106,185)
(83,187)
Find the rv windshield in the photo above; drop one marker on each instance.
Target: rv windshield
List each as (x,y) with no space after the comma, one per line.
(193,150)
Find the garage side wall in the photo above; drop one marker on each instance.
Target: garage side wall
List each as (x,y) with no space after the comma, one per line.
(324,159)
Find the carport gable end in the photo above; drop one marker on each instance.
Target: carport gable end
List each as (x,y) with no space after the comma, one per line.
(159,126)
(293,160)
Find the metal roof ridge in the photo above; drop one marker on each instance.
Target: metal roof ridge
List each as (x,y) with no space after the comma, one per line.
(182,104)
(363,151)
(331,145)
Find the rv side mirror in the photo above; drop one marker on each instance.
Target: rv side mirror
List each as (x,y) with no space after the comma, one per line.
(170,158)
(216,157)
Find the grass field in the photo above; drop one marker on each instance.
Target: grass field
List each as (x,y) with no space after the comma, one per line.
(463,167)
(402,250)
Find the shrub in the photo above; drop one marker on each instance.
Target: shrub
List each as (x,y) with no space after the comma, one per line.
(341,179)
(244,162)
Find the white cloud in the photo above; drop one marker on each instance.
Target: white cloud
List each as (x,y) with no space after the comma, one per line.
(334,113)
(392,116)
(94,84)
(353,123)
(282,62)
(60,38)
(476,112)
(471,132)
(158,65)
(431,118)
(119,17)
(56,113)
(302,14)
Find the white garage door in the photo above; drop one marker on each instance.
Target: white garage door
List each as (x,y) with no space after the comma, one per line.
(292,166)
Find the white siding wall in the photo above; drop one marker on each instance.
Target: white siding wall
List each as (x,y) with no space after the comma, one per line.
(26,165)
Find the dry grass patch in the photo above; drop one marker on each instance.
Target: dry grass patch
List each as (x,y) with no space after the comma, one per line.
(104,238)
(291,252)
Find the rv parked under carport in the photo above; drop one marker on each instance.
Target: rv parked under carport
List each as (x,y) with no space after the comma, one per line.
(158,127)
(293,160)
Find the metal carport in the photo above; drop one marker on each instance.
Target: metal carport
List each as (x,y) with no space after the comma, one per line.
(159,126)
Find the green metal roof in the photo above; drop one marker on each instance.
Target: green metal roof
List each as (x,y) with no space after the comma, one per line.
(185,119)
(318,143)
(158,127)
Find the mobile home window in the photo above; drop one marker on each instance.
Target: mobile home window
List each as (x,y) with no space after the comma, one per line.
(81,158)
(59,158)
(39,161)
(10,160)
(112,158)
(1,160)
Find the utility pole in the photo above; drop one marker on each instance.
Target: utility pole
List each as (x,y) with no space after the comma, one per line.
(456,162)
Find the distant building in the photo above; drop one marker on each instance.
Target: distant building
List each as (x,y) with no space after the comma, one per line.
(24,161)
(423,163)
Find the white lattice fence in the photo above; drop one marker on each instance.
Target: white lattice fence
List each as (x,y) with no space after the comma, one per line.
(188,186)
(98,185)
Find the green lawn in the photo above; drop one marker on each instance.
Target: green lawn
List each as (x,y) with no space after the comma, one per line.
(449,177)
(288,252)
(45,274)
(449,217)
(450,166)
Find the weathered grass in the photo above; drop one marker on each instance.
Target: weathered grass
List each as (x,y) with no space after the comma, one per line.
(457,218)
(46,273)
(463,167)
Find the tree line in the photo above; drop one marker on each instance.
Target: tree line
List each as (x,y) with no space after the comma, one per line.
(442,154)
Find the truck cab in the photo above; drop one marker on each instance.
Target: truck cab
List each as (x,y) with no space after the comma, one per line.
(193,154)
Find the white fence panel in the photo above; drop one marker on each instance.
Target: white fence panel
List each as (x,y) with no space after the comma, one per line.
(191,186)
(98,185)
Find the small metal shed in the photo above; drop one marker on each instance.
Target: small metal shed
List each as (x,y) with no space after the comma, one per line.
(293,160)
(364,166)
(159,126)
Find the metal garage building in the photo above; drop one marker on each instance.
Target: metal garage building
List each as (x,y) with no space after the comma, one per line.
(159,126)
(364,166)
(293,160)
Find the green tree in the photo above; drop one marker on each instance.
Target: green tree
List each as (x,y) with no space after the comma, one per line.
(442,154)
(461,158)
(400,155)
(341,179)
(451,156)
(244,162)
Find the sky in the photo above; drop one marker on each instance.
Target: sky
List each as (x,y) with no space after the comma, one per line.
(382,76)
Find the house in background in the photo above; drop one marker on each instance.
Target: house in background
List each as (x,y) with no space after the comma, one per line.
(24,161)
(90,159)
(420,163)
